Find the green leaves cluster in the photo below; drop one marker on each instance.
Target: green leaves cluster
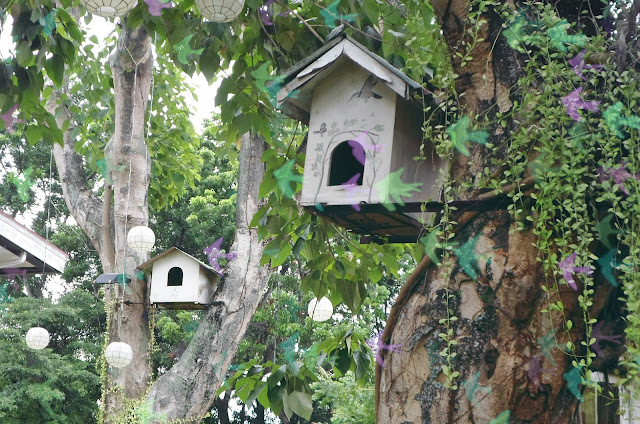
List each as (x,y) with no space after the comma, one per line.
(288,387)
(60,383)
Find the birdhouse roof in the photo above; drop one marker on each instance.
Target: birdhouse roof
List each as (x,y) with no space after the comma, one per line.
(24,250)
(147,265)
(296,84)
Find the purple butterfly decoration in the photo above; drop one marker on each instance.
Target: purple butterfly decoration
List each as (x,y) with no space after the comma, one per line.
(578,64)
(535,369)
(376,346)
(352,188)
(359,145)
(156,6)
(7,117)
(265,14)
(619,176)
(573,102)
(214,253)
(568,268)
(597,334)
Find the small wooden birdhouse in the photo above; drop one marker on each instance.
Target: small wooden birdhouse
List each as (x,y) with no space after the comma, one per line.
(180,281)
(365,129)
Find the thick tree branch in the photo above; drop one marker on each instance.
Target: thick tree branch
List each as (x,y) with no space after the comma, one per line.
(220,331)
(84,206)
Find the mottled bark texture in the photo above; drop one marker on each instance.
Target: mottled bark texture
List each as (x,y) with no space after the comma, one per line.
(188,389)
(107,225)
(501,331)
(126,152)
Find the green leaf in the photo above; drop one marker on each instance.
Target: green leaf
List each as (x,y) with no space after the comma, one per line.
(297,247)
(372,10)
(34,134)
(363,363)
(285,404)
(341,360)
(24,54)
(263,397)
(275,396)
(270,251)
(350,293)
(282,256)
(257,390)
(244,386)
(301,404)
(276,376)
(55,69)
(209,64)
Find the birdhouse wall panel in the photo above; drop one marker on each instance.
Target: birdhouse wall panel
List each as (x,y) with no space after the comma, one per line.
(160,289)
(407,141)
(349,106)
(207,286)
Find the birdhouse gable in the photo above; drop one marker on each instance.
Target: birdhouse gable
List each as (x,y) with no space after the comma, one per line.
(178,280)
(294,98)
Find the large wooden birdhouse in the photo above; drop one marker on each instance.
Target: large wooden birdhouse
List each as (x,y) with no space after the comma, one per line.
(180,281)
(364,133)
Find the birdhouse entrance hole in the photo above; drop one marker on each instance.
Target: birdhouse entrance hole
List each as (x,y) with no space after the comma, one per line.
(345,165)
(174,277)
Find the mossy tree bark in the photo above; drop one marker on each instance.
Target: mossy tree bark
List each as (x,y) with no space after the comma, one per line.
(502,334)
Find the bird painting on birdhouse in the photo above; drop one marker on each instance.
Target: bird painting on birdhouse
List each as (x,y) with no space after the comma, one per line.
(180,281)
(365,129)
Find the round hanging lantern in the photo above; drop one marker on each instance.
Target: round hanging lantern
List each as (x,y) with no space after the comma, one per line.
(220,10)
(141,239)
(118,354)
(320,310)
(109,8)
(37,338)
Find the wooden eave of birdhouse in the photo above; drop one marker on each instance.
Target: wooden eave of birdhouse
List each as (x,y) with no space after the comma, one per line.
(297,83)
(146,267)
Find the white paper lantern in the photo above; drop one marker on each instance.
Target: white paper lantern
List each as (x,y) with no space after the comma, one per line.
(118,354)
(109,8)
(320,310)
(37,338)
(141,239)
(220,10)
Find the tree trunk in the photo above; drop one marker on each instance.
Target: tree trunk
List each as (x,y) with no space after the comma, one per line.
(188,389)
(126,152)
(106,229)
(500,336)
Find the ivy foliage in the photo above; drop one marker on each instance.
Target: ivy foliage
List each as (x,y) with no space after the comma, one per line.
(574,130)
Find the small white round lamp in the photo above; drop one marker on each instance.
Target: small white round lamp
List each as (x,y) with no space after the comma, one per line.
(141,239)
(220,10)
(37,338)
(118,354)
(109,8)
(320,310)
